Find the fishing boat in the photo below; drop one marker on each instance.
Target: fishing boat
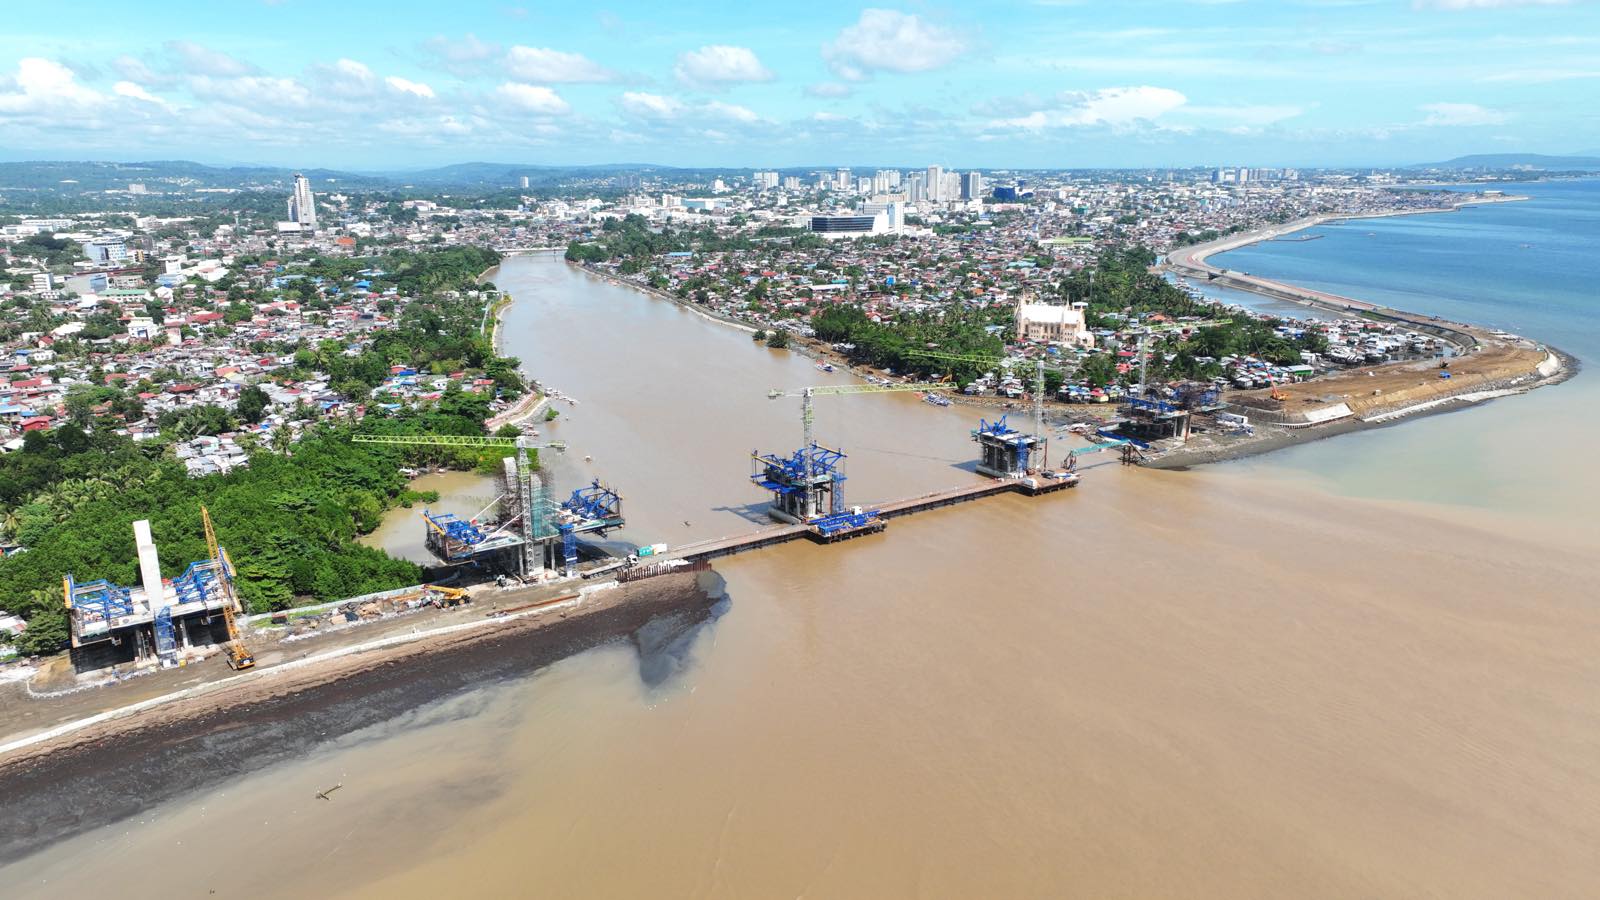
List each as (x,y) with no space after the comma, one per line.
(824,367)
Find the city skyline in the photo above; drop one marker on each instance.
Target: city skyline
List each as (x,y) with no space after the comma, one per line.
(1051,83)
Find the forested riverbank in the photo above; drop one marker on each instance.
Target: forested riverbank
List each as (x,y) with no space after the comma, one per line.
(290,517)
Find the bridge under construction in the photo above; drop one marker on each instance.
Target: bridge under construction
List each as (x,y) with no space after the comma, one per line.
(533,533)
(530,532)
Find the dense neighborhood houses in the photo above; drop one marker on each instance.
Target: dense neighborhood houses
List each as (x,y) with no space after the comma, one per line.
(145,318)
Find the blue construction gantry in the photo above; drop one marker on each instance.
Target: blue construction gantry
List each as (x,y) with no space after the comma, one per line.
(785,477)
(196,583)
(456,540)
(100,599)
(1005,452)
(100,611)
(595,508)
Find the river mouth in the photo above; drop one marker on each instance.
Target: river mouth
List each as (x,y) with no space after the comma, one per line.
(1218,683)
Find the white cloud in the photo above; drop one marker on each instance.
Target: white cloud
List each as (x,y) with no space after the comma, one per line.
(532,98)
(252,91)
(1109,106)
(649,106)
(41,85)
(135,70)
(891,41)
(717,65)
(134,92)
(197,59)
(1464,114)
(406,86)
(345,79)
(731,111)
(659,109)
(542,65)
(426,128)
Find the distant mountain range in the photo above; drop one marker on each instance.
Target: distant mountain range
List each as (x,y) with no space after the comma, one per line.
(160,176)
(165,176)
(1517,161)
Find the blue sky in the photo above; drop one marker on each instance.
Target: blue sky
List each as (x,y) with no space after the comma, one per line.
(1051,83)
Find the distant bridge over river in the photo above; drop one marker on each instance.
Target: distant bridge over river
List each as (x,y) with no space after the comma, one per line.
(512,251)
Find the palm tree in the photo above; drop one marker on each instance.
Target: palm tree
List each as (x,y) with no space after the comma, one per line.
(281,440)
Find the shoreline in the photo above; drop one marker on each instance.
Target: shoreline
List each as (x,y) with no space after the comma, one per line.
(101,769)
(663,295)
(1555,367)
(1471,340)
(529,404)
(1273,437)
(1192,261)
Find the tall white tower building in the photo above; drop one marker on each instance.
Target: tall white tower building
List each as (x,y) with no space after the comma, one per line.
(303,204)
(935,184)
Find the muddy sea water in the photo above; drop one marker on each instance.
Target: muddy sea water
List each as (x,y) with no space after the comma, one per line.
(1528,267)
(1300,676)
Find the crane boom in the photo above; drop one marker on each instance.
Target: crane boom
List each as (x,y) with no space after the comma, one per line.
(1038,384)
(457,440)
(830,390)
(807,417)
(238,656)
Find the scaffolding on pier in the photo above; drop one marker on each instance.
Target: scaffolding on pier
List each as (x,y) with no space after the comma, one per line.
(1005,452)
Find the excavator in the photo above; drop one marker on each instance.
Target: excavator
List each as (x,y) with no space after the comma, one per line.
(239,658)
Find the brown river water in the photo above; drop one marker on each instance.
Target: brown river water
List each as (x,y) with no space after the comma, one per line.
(1218,683)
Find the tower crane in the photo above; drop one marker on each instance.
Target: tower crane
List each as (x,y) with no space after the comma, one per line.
(807,417)
(239,658)
(485,442)
(1038,380)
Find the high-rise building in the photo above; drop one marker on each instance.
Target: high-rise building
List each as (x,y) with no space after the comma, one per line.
(524,182)
(842,180)
(916,187)
(934,184)
(303,204)
(972,186)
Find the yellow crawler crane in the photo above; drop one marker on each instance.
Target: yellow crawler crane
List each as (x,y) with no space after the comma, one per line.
(238,657)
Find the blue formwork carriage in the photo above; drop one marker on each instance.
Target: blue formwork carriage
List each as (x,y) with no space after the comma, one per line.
(99,598)
(196,583)
(451,537)
(1005,452)
(786,479)
(596,507)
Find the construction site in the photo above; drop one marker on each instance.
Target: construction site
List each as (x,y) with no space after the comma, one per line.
(529,534)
